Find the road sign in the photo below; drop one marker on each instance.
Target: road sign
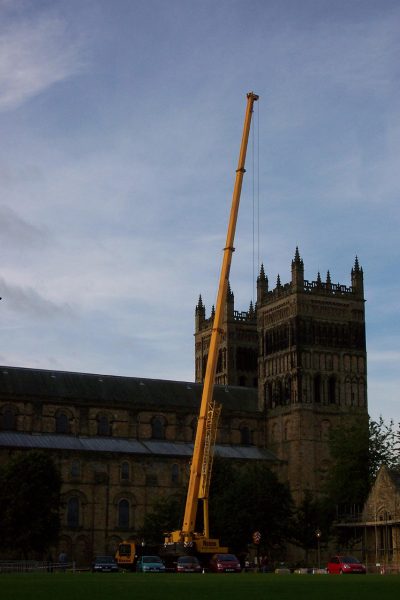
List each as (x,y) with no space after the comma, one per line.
(256,537)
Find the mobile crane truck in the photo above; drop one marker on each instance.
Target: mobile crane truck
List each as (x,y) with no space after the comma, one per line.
(187,540)
(200,473)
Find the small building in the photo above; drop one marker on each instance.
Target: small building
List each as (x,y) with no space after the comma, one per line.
(381,521)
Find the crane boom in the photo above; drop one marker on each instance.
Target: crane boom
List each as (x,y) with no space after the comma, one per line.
(200,472)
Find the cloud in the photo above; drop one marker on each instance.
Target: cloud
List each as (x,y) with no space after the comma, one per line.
(27,301)
(35,54)
(15,230)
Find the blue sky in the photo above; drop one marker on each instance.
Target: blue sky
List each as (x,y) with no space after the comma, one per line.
(120,125)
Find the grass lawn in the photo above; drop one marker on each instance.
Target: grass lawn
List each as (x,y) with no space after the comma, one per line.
(245,586)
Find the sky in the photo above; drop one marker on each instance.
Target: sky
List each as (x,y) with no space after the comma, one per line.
(120,125)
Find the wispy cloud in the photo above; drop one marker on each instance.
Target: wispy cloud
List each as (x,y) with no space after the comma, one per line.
(27,301)
(17,231)
(34,55)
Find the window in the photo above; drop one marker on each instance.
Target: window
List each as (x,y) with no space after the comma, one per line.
(158,428)
(75,468)
(317,388)
(62,423)
(125,471)
(123,514)
(73,512)
(245,435)
(332,390)
(9,421)
(103,426)
(193,427)
(175,474)
(286,431)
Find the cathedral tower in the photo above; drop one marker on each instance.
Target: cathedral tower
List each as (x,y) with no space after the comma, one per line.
(237,358)
(312,368)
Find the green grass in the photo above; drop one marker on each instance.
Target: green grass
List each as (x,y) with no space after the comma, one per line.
(245,586)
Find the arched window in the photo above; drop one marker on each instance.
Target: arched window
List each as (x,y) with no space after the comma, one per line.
(123,514)
(73,512)
(175,474)
(268,395)
(278,392)
(9,420)
(325,429)
(245,435)
(158,428)
(317,388)
(286,431)
(219,362)
(193,427)
(75,468)
(103,425)
(125,471)
(62,423)
(332,390)
(287,390)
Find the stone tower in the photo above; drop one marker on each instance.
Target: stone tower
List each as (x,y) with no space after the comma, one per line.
(238,352)
(312,368)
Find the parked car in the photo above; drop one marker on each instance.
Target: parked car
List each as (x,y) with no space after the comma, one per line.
(188,564)
(341,565)
(104,564)
(150,564)
(225,563)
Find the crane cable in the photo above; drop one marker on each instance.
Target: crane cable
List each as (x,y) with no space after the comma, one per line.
(255,146)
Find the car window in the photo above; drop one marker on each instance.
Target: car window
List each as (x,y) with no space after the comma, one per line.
(187,559)
(351,560)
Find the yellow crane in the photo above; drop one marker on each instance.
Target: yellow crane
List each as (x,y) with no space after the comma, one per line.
(200,472)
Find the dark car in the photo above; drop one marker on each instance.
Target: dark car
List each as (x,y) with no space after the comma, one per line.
(104,564)
(342,565)
(150,564)
(188,564)
(225,563)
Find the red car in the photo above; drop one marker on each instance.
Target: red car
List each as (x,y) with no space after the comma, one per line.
(188,564)
(225,563)
(341,565)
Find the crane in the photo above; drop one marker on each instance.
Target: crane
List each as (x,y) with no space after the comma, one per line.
(200,472)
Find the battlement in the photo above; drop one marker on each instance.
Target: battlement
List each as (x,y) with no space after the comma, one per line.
(318,287)
(311,287)
(248,316)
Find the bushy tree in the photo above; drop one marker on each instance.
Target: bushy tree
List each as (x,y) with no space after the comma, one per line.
(348,480)
(249,499)
(309,517)
(357,453)
(29,504)
(166,515)
(383,446)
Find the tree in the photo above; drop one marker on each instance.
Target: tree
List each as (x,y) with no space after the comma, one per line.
(357,453)
(309,517)
(348,481)
(383,446)
(166,516)
(245,500)
(29,504)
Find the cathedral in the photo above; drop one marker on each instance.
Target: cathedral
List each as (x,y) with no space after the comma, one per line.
(289,370)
